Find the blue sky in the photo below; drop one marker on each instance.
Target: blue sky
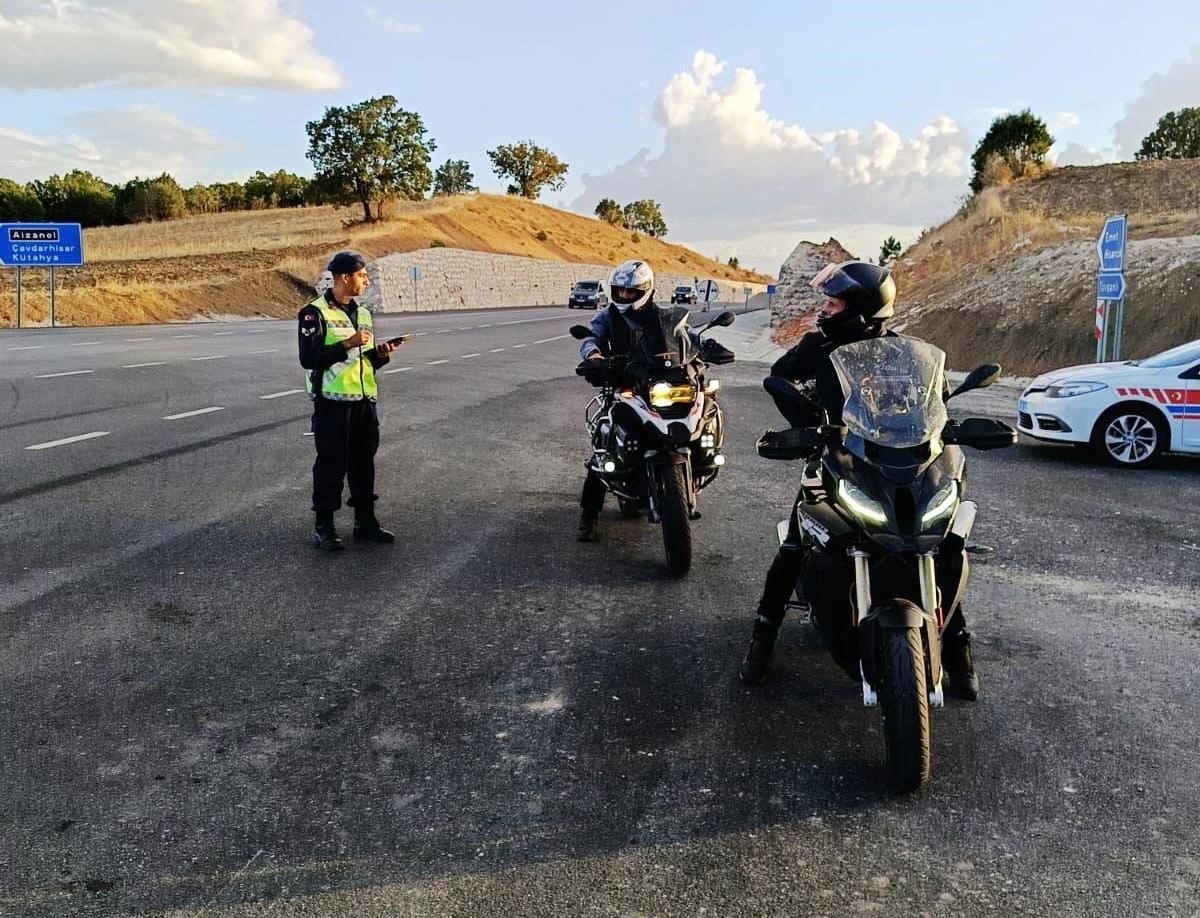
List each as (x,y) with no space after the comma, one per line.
(754,124)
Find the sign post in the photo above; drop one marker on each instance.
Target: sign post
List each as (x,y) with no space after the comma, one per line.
(415,274)
(1110,285)
(40,245)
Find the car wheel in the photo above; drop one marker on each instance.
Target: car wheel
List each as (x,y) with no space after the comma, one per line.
(1129,436)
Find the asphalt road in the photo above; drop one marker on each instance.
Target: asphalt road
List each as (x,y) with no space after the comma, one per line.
(203,716)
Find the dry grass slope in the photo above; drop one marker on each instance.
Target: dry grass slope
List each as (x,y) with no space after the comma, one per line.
(263,262)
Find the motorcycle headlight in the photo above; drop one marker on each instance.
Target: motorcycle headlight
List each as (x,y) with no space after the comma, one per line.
(663,394)
(1066,390)
(860,503)
(941,504)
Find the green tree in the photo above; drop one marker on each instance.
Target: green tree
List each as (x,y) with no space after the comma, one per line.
(143,200)
(1177,136)
(370,152)
(889,250)
(230,195)
(201,199)
(530,167)
(454,176)
(609,211)
(1020,140)
(645,216)
(77,197)
(19,203)
(279,189)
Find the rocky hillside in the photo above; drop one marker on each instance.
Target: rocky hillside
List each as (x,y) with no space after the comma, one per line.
(1012,277)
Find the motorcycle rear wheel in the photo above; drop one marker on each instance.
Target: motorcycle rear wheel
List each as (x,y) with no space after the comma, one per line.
(676,525)
(905,705)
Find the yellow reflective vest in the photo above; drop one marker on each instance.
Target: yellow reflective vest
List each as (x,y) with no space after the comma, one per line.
(352,379)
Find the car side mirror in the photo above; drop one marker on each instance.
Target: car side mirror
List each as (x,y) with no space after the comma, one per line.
(580,332)
(979,378)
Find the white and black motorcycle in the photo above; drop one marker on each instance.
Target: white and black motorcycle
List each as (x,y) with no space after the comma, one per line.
(656,427)
(882,523)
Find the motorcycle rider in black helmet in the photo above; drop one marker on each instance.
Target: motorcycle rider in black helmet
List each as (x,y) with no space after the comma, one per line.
(859,298)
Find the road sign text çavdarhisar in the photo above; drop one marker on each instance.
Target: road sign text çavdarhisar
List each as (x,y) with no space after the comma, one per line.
(41,245)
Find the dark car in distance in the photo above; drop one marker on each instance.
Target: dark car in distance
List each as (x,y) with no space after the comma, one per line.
(587,294)
(685,295)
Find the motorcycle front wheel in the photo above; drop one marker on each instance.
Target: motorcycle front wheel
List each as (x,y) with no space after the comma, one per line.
(905,705)
(676,524)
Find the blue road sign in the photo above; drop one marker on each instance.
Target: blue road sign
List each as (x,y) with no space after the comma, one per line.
(41,245)
(1110,285)
(770,289)
(1111,244)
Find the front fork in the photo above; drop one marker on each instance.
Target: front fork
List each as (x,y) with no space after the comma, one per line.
(653,485)
(927,584)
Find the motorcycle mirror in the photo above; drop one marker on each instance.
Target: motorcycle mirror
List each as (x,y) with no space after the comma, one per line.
(724,320)
(979,378)
(580,332)
(784,388)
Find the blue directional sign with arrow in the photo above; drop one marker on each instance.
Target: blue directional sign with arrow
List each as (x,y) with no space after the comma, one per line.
(1110,285)
(1111,244)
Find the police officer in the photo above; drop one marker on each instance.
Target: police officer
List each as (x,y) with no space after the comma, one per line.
(858,303)
(338,350)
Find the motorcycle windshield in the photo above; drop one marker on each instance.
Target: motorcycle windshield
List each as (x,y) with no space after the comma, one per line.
(673,345)
(893,389)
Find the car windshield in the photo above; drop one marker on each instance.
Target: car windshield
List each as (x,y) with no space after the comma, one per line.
(893,389)
(587,285)
(683,289)
(1179,356)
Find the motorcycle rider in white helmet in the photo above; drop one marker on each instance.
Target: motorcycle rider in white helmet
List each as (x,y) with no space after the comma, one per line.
(632,314)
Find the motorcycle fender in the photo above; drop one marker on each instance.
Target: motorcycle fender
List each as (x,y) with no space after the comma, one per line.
(898,614)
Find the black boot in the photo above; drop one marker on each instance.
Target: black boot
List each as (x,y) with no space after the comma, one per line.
(959,666)
(326,537)
(587,526)
(367,528)
(757,664)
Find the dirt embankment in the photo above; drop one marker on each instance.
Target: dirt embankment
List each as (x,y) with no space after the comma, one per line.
(1012,278)
(256,263)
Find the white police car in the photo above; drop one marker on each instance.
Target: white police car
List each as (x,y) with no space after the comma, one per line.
(1129,412)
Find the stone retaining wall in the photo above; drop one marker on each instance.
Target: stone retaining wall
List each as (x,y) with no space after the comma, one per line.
(462,279)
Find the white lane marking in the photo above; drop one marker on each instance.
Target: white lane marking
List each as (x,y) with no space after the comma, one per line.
(497,350)
(434,363)
(515,346)
(53,443)
(419,334)
(27,347)
(135,366)
(397,370)
(68,373)
(555,338)
(136,340)
(223,334)
(307,433)
(85,343)
(273,350)
(192,414)
(466,328)
(283,393)
(442,331)
(212,357)
(522,321)
(185,336)
(468,356)
(488,325)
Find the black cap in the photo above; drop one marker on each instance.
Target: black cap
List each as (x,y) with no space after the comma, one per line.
(346,263)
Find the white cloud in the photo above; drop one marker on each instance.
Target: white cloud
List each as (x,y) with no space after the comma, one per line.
(1062,120)
(390,23)
(734,180)
(116,144)
(1178,87)
(1078,154)
(67,44)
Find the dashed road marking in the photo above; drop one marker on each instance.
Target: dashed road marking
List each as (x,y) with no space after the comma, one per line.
(273,350)
(85,343)
(212,357)
(192,414)
(515,346)
(185,336)
(555,338)
(63,442)
(283,393)
(135,340)
(468,356)
(223,334)
(67,373)
(522,321)
(396,370)
(497,350)
(27,347)
(434,363)
(135,366)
